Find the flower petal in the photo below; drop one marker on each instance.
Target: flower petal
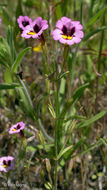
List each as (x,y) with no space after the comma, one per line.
(56,34)
(79,34)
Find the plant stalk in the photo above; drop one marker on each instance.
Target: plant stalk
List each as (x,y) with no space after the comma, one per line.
(99,65)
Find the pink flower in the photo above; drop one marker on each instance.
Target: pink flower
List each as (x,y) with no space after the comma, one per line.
(35,28)
(68,31)
(24,21)
(17,128)
(0,20)
(6,163)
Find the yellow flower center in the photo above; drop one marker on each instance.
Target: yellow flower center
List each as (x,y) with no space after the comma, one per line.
(31,33)
(5,166)
(14,129)
(67,37)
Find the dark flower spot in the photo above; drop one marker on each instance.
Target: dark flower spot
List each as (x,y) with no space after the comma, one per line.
(64,30)
(36,28)
(9,162)
(18,126)
(4,162)
(25,23)
(21,133)
(72,31)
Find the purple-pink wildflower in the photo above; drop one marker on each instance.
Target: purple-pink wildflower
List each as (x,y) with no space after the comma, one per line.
(68,31)
(24,21)
(0,20)
(6,163)
(35,28)
(17,128)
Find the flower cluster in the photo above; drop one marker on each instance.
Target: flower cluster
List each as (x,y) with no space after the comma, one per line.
(7,162)
(31,28)
(66,32)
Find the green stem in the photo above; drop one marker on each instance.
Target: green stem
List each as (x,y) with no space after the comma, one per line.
(7,176)
(81,11)
(66,50)
(65,66)
(56,176)
(56,132)
(99,65)
(46,59)
(72,64)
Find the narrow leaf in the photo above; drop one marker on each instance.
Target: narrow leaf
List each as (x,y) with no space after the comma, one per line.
(51,109)
(94,32)
(8,86)
(63,152)
(92,120)
(19,59)
(96,16)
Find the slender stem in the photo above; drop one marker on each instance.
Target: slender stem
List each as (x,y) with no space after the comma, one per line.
(65,64)
(56,175)
(73,63)
(7,176)
(99,65)
(66,50)
(46,59)
(56,145)
(81,11)
(56,128)
(82,180)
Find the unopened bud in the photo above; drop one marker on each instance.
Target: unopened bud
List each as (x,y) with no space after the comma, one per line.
(48,165)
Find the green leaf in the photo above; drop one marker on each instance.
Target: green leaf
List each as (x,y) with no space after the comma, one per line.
(63,152)
(19,9)
(10,40)
(19,59)
(8,86)
(58,9)
(78,117)
(8,80)
(51,109)
(104,141)
(94,32)
(67,155)
(78,93)
(18,13)
(62,75)
(89,148)
(48,186)
(64,6)
(91,120)
(6,16)
(7,76)
(76,96)
(30,148)
(95,17)
(26,99)
(5,53)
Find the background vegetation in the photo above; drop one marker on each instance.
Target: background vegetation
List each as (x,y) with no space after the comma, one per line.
(81,120)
